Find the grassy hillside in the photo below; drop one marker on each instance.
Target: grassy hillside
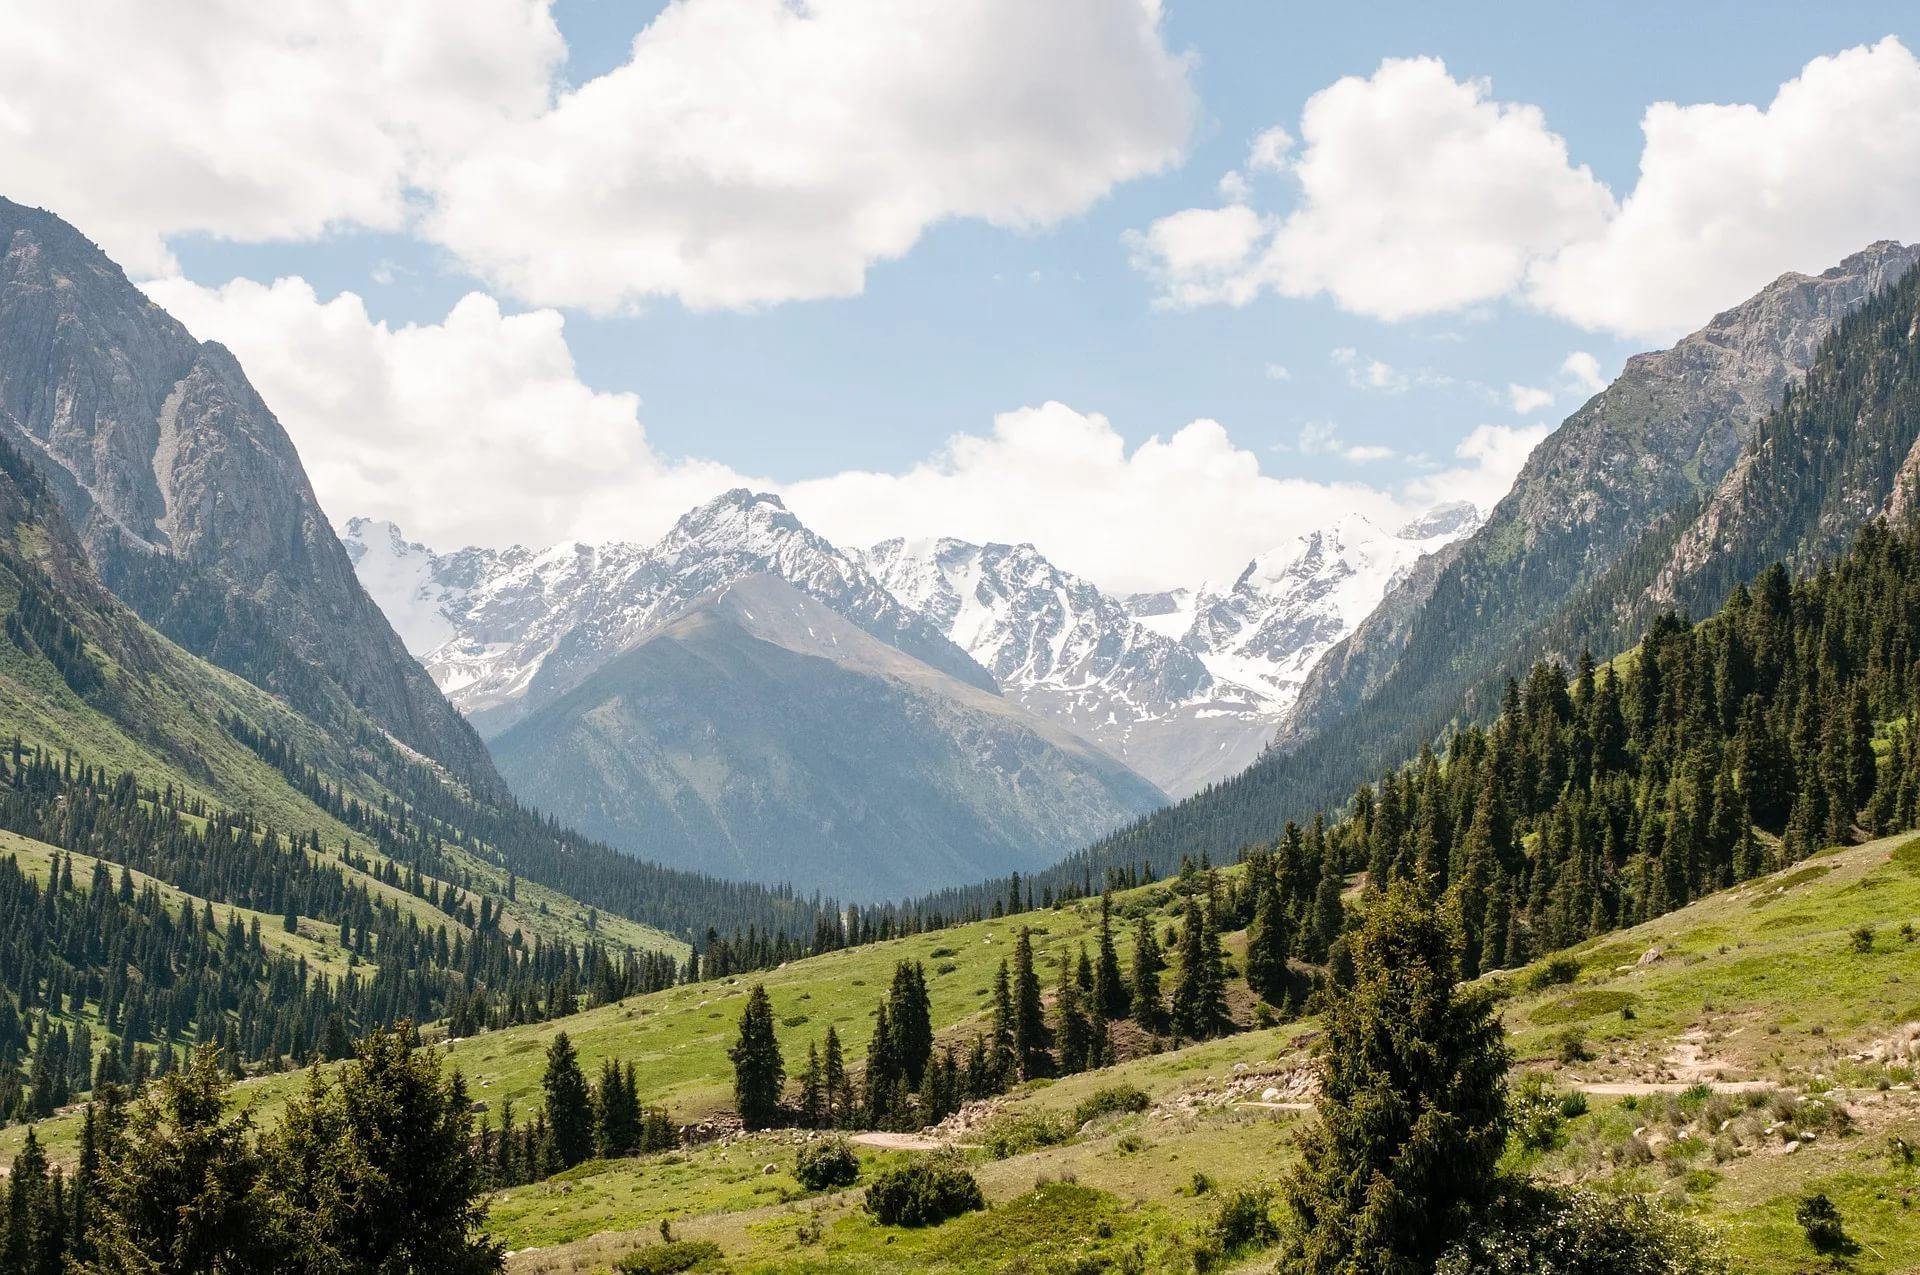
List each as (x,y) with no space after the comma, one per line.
(1754,1030)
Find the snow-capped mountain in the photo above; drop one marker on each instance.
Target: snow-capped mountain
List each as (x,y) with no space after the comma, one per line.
(503,632)
(1266,632)
(1185,686)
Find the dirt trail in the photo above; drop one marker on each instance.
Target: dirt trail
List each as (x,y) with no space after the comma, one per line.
(1635,1088)
(898,1141)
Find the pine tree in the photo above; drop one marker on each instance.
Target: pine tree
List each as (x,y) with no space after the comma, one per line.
(814,1110)
(1110,993)
(911,1014)
(1267,951)
(1072,1034)
(759,1073)
(1003,1062)
(1029,1024)
(1144,993)
(833,1074)
(1412,1105)
(569,1105)
(1198,1007)
(882,1078)
(616,1109)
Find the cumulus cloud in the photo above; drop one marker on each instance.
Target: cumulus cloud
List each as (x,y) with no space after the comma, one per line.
(487,405)
(1581,373)
(758,151)
(490,405)
(1486,462)
(747,151)
(1174,510)
(1528,399)
(138,120)
(1421,193)
(1418,193)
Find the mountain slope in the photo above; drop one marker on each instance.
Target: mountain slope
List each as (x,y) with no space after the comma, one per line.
(189,497)
(760,734)
(1562,561)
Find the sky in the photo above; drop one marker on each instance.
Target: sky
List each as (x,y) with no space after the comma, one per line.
(1156,286)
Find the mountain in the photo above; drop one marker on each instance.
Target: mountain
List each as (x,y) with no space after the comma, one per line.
(673,700)
(188,496)
(1628,491)
(1187,687)
(759,734)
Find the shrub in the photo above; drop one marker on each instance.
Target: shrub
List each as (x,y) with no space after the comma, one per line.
(1555,972)
(667,1258)
(1017,1135)
(924,1193)
(1244,1221)
(1821,1220)
(1534,1107)
(825,1165)
(1573,1048)
(1112,1100)
(1535,1230)
(1863,939)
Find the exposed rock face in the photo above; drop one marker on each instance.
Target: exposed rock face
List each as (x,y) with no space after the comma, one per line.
(760,734)
(188,495)
(1665,432)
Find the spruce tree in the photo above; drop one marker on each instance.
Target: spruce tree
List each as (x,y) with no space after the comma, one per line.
(1003,1062)
(911,1015)
(1072,1034)
(1029,1024)
(1267,951)
(569,1105)
(1412,1105)
(1109,988)
(813,1090)
(833,1075)
(616,1111)
(1143,994)
(758,1070)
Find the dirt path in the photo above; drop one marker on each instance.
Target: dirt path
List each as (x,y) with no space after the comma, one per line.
(1632,1088)
(898,1141)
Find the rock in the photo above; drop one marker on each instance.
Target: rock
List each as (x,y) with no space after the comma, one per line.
(1649,956)
(1270,1094)
(769,1170)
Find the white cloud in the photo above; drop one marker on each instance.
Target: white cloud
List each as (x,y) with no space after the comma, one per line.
(1420,193)
(758,151)
(1322,438)
(1490,458)
(1278,372)
(747,152)
(1174,510)
(1269,151)
(139,120)
(1731,196)
(1365,373)
(1233,188)
(1581,372)
(1200,255)
(1527,399)
(476,429)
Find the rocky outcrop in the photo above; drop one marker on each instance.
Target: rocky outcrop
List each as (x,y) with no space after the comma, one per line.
(188,495)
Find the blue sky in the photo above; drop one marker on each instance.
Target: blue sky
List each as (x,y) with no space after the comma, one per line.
(976,319)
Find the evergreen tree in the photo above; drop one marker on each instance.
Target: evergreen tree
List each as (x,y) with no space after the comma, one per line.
(1110,995)
(616,1111)
(833,1075)
(1198,1005)
(1029,1024)
(758,1070)
(378,1170)
(911,1015)
(1003,1061)
(1072,1033)
(569,1105)
(1267,951)
(814,1110)
(1412,1105)
(1144,993)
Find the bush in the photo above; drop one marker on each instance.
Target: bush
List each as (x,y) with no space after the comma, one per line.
(1112,1100)
(1535,1110)
(1244,1221)
(1556,972)
(1017,1135)
(825,1165)
(924,1193)
(1573,1048)
(668,1258)
(1821,1220)
(1551,1230)
(1863,939)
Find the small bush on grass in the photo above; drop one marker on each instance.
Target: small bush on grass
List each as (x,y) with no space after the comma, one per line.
(1112,1100)
(924,1193)
(668,1258)
(1556,972)
(825,1165)
(1244,1220)
(1537,1230)
(1820,1219)
(1017,1135)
